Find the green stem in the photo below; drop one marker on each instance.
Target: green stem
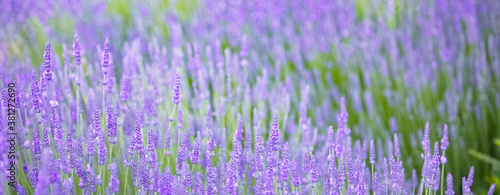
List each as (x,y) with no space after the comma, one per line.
(126,179)
(442,174)
(169,123)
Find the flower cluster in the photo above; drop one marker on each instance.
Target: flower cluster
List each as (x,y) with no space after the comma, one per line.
(279,97)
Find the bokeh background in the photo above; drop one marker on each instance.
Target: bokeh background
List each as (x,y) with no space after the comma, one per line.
(397,63)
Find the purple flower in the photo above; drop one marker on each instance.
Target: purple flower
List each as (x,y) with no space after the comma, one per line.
(491,190)
(465,186)
(76,50)
(426,144)
(259,143)
(105,58)
(181,153)
(314,173)
(444,141)
(101,148)
(90,145)
(449,185)
(331,138)
(211,142)
(414,180)
(295,174)
(151,147)
(194,157)
(34,92)
(176,91)
(372,152)
(186,176)
(111,125)
(114,183)
(470,177)
(198,189)
(47,62)
(285,163)
(45,130)
(138,144)
(69,187)
(274,133)
(144,172)
(155,177)
(33,175)
(377,189)
(37,151)
(397,151)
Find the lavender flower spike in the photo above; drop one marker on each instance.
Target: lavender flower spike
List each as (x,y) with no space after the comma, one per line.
(397,151)
(77,50)
(47,62)
(492,189)
(444,142)
(105,57)
(176,91)
(449,185)
(372,152)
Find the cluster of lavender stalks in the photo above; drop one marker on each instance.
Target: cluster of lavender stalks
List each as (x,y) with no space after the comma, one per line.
(67,160)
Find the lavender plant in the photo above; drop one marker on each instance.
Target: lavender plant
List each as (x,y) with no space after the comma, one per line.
(260,97)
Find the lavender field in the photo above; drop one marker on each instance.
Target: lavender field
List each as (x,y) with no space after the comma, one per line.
(250,97)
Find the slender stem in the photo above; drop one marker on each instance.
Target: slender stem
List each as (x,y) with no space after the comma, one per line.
(169,123)
(126,178)
(442,174)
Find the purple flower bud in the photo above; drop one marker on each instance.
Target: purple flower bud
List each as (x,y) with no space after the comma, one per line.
(45,129)
(155,177)
(372,152)
(194,157)
(377,189)
(211,142)
(274,134)
(181,153)
(465,186)
(426,144)
(101,149)
(114,182)
(491,190)
(47,62)
(314,173)
(176,91)
(449,185)
(414,180)
(79,148)
(198,189)
(397,151)
(105,58)
(435,160)
(111,125)
(295,174)
(285,163)
(259,143)
(76,50)
(444,141)
(186,176)
(33,175)
(331,138)
(470,178)
(151,147)
(144,171)
(37,151)
(69,187)
(138,144)
(34,92)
